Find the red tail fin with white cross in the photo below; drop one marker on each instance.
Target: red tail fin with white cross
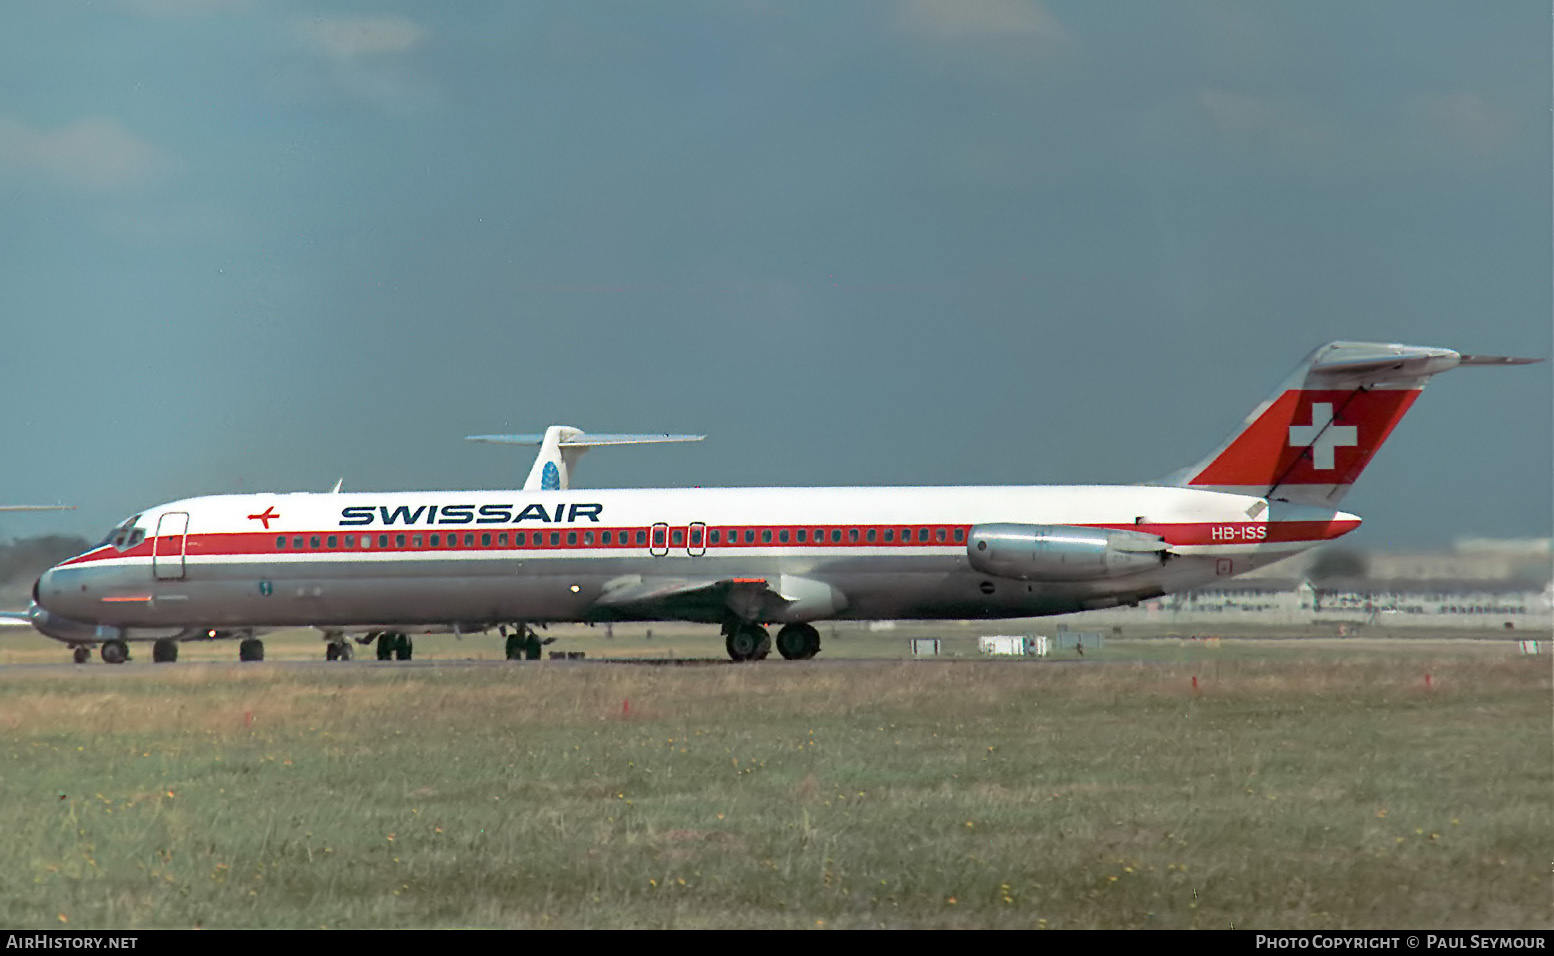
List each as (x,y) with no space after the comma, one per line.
(1308,443)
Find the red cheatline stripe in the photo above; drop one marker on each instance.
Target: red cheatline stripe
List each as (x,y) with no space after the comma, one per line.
(939,536)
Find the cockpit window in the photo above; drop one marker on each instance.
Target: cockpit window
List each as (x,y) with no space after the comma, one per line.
(125,535)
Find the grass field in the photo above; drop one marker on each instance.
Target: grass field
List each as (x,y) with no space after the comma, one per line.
(1316,784)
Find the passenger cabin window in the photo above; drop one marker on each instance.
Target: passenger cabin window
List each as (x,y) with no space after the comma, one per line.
(382,540)
(922,534)
(588,537)
(415,541)
(313,541)
(677,537)
(399,541)
(334,541)
(280,542)
(555,538)
(501,540)
(852,534)
(749,536)
(803,535)
(436,541)
(870,535)
(960,535)
(571,538)
(469,539)
(485,540)
(782,536)
(836,535)
(641,537)
(890,535)
(350,541)
(297,542)
(521,538)
(712,536)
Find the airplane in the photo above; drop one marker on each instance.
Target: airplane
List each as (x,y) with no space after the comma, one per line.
(560,448)
(744,558)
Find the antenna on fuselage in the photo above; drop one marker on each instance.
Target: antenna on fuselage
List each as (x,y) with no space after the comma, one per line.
(562,445)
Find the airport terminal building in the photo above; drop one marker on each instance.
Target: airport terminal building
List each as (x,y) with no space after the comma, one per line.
(1479,585)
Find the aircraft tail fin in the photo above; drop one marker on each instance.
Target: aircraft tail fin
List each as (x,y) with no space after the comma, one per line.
(562,445)
(1308,443)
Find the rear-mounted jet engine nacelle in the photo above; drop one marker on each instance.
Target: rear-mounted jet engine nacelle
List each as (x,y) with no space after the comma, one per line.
(1044,552)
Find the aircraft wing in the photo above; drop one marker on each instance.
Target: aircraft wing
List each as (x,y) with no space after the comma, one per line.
(691,599)
(15,619)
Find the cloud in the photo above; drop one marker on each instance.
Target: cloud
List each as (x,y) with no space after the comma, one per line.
(1461,125)
(351,38)
(96,154)
(963,19)
(1460,131)
(1286,126)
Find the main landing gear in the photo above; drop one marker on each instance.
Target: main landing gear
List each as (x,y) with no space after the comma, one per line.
(798,642)
(82,655)
(523,644)
(751,642)
(114,652)
(746,642)
(250,649)
(165,651)
(393,646)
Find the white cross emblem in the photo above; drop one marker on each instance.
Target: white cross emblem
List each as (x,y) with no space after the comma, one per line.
(1321,438)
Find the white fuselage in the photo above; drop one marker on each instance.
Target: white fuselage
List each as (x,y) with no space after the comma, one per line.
(474,559)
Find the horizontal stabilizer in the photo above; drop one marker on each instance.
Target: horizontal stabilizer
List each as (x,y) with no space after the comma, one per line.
(562,445)
(585,440)
(37,507)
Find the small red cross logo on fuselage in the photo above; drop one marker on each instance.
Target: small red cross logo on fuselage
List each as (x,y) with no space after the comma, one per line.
(265,516)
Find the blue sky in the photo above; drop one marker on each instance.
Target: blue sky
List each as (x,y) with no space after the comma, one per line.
(256,246)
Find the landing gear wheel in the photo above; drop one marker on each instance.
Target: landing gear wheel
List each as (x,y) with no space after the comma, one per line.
(386,644)
(798,642)
(402,652)
(513,647)
(251,649)
(164,651)
(82,655)
(747,642)
(114,652)
(337,651)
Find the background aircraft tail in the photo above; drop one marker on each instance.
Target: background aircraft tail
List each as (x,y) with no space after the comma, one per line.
(1308,443)
(562,445)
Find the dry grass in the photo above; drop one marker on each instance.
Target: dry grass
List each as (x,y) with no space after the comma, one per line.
(1327,789)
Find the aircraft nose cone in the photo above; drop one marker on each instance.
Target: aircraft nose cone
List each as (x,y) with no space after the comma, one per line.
(44,589)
